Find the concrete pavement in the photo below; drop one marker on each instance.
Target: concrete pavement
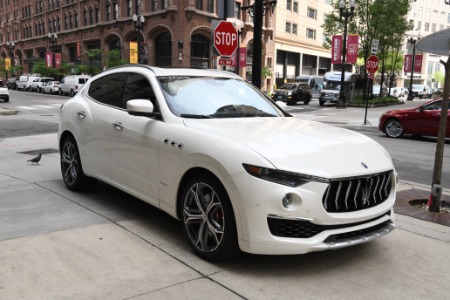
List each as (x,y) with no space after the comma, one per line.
(104,244)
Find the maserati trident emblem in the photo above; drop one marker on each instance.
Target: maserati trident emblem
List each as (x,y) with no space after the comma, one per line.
(366,186)
(364,165)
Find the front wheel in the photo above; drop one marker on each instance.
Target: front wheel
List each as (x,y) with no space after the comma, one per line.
(393,128)
(71,168)
(208,218)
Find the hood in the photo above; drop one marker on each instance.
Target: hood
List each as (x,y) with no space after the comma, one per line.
(281,91)
(401,111)
(302,146)
(326,91)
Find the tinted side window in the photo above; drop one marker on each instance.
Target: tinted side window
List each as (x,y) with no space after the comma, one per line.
(82,80)
(108,89)
(137,87)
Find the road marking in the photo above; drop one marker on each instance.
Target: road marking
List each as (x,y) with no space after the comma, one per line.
(26,107)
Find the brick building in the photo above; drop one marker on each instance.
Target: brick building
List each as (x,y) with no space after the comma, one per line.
(176,33)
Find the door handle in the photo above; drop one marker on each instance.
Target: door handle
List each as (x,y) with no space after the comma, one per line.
(118,125)
(81,114)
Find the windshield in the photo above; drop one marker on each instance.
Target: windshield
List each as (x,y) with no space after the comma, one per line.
(214,97)
(417,87)
(333,85)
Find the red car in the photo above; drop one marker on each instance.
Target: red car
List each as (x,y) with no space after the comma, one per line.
(422,120)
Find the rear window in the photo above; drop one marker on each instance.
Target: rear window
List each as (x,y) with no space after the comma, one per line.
(82,80)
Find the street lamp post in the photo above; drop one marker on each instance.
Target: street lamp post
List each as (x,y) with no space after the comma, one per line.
(345,13)
(10,47)
(257,11)
(53,38)
(413,44)
(139,23)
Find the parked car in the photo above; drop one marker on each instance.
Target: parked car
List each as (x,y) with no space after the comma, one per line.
(418,90)
(291,93)
(213,151)
(51,87)
(420,121)
(376,91)
(4,92)
(399,92)
(30,81)
(22,83)
(71,84)
(11,83)
(37,84)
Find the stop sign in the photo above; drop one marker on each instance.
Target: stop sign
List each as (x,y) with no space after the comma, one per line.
(372,64)
(225,38)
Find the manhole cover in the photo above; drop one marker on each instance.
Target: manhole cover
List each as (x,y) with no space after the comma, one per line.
(41,151)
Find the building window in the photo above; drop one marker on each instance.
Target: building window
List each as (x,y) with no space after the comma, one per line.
(66,22)
(294,29)
(237,10)
(59,23)
(91,20)
(295,7)
(97,15)
(116,11)
(448,18)
(50,26)
(199,4)
(85,17)
(163,50)
(288,27)
(310,33)
(108,12)
(312,13)
(210,6)
(427,26)
(76,20)
(71,21)
(129,8)
(419,25)
(154,5)
(329,2)
(200,51)
(433,27)
(289,4)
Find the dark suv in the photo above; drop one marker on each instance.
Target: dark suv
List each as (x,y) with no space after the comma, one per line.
(291,93)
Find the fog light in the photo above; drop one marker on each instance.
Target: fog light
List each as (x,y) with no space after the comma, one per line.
(287,200)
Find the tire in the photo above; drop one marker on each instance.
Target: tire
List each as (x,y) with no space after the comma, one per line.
(7,99)
(208,218)
(290,103)
(393,128)
(321,103)
(72,93)
(71,168)
(43,91)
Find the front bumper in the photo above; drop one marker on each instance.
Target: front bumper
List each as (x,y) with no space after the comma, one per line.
(329,98)
(266,227)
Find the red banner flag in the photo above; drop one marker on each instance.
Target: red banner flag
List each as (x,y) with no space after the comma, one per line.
(418,63)
(336,49)
(352,48)
(57,60)
(407,63)
(49,59)
(242,57)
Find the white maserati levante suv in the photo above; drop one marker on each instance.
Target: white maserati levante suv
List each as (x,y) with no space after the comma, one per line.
(214,152)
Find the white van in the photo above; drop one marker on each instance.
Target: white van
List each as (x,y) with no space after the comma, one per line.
(70,85)
(25,81)
(316,83)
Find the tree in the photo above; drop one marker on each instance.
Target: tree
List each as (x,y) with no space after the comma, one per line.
(369,22)
(115,58)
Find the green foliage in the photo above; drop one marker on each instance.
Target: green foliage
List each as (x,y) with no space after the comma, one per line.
(439,76)
(115,58)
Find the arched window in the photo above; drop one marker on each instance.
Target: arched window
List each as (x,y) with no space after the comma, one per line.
(71,21)
(85,17)
(200,51)
(76,20)
(66,22)
(163,50)
(91,16)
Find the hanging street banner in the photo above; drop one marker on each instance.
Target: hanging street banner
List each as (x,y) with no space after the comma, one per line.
(57,60)
(352,48)
(7,63)
(49,59)
(133,52)
(417,63)
(242,57)
(336,49)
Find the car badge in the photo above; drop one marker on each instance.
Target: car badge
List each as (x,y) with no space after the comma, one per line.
(364,165)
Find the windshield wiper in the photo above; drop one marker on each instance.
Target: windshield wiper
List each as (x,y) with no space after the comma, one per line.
(193,116)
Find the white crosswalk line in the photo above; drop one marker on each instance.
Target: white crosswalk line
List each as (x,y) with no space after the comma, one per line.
(44,106)
(26,107)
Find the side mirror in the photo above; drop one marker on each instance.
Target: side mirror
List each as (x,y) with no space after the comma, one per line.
(143,108)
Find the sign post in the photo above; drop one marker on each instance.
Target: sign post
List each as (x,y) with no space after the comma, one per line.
(371,66)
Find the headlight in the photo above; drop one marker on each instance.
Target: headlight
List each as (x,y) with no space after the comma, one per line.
(281,177)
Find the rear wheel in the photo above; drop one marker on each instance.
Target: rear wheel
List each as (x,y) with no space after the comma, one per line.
(208,218)
(393,128)
(71,168)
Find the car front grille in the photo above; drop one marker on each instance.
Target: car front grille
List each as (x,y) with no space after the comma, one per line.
(305,229)
(346,195)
